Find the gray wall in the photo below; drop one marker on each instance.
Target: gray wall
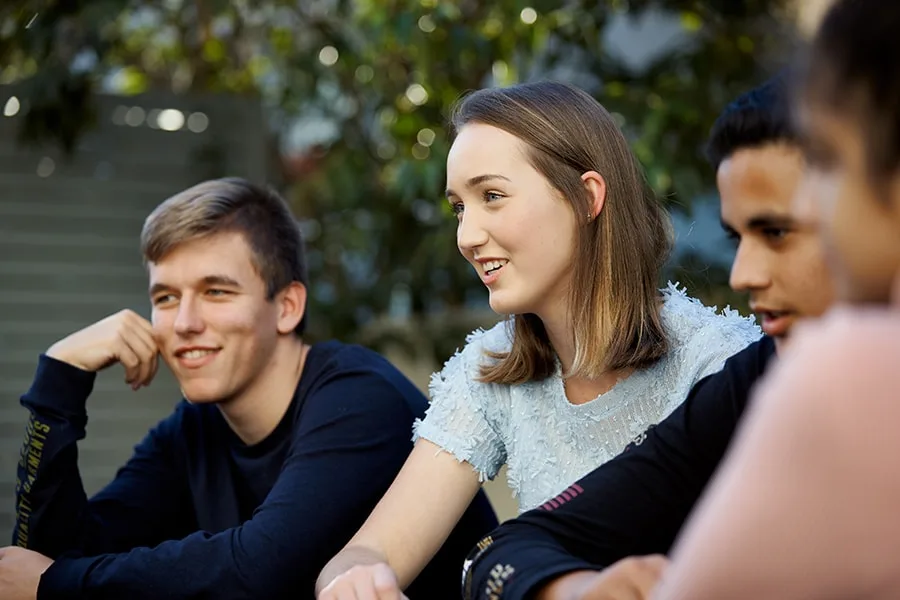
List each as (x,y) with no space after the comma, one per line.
(69,255)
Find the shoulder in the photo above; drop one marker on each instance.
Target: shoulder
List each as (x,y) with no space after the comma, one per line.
(835,384)
(337,373)
(693,326)
(847,353)
(458,380)
(479,346)
(685,317)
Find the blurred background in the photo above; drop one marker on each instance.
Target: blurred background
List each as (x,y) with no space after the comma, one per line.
(111,106)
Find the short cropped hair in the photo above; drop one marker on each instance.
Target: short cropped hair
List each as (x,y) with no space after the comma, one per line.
(755,118)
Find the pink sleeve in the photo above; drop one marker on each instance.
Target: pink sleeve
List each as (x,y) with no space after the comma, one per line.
(807,503)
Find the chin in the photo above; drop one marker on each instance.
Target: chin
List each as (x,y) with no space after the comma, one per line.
(507,306)
(198,393)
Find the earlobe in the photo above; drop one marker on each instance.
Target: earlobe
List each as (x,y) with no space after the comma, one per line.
(292,302)
(596,189)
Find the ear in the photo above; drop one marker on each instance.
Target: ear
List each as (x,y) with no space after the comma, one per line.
(596,189)
(292,306)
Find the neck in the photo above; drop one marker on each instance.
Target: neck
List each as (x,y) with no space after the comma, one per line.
(256,411)
(561,336)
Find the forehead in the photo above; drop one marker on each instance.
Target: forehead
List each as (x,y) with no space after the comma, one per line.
(822,125)
(759,179)
(484,148)
(221,254)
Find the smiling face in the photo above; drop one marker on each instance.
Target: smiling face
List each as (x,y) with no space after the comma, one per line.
(779,259)
(214,326)
(514,228)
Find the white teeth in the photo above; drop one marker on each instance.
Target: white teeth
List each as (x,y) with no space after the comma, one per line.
(492,265)
(196,353)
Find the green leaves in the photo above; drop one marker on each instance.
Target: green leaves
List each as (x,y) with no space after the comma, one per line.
(381,75)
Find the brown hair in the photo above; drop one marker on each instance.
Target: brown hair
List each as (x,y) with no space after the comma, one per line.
(851,67)
(614,297)
(232,205)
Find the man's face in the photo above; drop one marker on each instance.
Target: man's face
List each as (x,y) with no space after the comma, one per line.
(780,260)
(213,324)
(859,217)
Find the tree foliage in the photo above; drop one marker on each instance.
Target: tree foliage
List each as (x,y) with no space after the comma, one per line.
(381,74)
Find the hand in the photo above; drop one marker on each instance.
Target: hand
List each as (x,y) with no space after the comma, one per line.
(364,582)
(632,578)
(20,573)
(124,337)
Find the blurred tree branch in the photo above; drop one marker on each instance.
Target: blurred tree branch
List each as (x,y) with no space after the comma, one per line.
(383,74)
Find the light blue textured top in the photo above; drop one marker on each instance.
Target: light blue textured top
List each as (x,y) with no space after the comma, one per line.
(549,443)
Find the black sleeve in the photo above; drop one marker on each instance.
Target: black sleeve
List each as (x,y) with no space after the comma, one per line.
(352,439)
(633,505)
(53,515)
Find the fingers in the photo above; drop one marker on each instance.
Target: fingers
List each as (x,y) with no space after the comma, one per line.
(369,582)
(138,351)
(647,572)
(385,583)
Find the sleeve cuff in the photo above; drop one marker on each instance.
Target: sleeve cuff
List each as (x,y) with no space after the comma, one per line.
(64,579)
(59,386)
(486,462)
(520,581)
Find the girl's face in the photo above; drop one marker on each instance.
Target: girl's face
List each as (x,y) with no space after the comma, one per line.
(514,228)
(860,224)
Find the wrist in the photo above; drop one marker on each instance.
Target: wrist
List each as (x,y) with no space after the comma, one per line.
(58,352)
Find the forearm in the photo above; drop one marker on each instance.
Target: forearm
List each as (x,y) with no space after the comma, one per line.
(50,498)
(198,566)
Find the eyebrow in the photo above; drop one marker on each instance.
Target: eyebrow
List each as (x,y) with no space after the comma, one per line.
(478,179)
(223,280)
(763,221)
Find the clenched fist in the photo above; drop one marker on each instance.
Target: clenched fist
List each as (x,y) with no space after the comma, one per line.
(125,337)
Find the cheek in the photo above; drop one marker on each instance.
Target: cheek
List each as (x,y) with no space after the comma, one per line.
(162,321)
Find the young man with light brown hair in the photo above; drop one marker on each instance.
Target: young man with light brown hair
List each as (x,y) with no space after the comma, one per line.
(273,459)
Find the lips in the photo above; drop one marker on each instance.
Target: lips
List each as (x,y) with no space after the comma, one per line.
(775,323)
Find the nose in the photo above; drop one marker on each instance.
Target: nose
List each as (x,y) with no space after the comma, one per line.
(188,321)
(471,233)
(750,270)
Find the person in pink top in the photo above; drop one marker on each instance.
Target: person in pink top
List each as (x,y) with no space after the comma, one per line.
(807,505)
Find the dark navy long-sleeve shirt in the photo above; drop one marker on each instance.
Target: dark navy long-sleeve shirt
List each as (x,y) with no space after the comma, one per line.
(195,513)
(633,505)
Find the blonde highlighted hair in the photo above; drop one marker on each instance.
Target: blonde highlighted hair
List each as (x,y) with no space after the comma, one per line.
(614,298)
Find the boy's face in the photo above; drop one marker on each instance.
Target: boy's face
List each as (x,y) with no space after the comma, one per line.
(859,217)
(215,327)
(779,261)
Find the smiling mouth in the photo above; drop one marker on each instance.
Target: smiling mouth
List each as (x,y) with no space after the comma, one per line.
(493,266)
